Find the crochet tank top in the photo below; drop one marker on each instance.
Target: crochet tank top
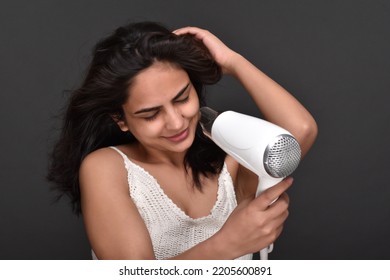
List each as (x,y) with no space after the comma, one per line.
(171,230)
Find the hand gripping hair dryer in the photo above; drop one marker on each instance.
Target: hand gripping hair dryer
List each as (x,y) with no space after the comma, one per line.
(266,149)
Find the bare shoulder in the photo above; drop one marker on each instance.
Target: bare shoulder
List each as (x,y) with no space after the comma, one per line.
(102,157)
(103,167)
(113,224)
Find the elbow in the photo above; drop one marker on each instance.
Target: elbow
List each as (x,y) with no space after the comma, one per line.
(306,135)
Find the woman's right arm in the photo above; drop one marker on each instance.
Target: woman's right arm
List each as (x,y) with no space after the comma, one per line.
(114,227)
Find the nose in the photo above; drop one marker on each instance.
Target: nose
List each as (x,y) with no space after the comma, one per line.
(174,119)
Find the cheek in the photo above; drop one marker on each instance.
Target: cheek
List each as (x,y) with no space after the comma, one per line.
(192,109)
(143,130)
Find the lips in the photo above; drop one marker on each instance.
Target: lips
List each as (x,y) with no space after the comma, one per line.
(179,137)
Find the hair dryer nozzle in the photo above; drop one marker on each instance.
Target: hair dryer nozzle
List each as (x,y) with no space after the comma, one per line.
(207,118)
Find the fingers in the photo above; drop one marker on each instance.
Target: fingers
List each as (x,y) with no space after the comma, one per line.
(221,53)
(275,217)
(265,199)
(200,34)
(254,224)
(279,210)
(191,30)
(280,215)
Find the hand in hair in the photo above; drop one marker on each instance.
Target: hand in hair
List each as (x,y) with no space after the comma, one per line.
(221,53)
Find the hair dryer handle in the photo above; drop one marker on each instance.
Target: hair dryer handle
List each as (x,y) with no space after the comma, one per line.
(265,183)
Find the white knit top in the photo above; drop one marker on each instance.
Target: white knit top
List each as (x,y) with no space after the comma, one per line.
(171,230)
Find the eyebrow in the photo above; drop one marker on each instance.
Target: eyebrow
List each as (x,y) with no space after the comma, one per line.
(177,96)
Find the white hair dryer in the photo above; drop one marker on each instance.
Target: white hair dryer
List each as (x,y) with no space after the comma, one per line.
(266,149)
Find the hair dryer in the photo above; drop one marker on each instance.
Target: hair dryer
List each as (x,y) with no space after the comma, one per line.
(266,149)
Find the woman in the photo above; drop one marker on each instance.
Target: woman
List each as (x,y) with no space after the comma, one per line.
(135,163)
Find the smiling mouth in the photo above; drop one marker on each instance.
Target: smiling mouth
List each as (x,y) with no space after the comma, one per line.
(179,137)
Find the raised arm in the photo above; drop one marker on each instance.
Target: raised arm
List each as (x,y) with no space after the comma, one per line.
(275,103)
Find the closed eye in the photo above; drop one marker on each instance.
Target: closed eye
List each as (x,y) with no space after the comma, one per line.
(177,99)
(152,117)
(183,100)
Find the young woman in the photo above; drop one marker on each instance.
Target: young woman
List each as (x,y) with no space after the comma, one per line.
(135,163)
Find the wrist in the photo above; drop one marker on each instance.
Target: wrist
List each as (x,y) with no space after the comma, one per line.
(222,247)
(234,64)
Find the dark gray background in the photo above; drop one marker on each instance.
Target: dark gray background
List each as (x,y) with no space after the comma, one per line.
(332,55)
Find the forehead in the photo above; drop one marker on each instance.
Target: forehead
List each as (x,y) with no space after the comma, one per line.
(162,80)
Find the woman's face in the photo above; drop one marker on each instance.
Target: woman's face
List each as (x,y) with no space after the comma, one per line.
(162,110)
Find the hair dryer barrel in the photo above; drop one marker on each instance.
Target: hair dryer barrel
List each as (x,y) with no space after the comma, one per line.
(264,148)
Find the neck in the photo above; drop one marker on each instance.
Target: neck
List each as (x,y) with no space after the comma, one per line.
(160,157)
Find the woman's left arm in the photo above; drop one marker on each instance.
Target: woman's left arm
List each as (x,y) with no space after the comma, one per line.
(275,103)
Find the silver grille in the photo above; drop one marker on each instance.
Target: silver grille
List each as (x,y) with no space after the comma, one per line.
(282,157)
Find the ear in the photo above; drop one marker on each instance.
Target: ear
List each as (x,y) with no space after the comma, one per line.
(120,122)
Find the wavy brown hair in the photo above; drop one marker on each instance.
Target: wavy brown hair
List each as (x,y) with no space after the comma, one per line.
(87,122)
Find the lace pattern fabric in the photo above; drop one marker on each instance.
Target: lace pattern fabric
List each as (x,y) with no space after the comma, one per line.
(171,230)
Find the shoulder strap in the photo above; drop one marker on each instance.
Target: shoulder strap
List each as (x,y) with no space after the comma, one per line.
(120,152)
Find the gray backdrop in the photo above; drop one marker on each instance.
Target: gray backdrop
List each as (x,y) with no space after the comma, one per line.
(332,55)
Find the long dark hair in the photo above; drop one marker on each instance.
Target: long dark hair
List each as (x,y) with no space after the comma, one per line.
(88,120)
